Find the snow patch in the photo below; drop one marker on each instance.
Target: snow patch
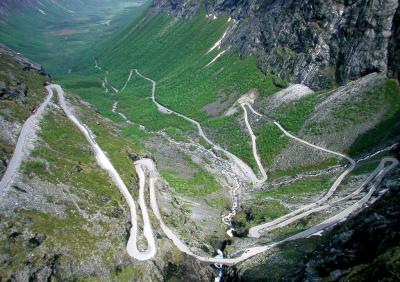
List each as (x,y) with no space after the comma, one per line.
(211,16)
(217,44)
(41,11)
(215,58)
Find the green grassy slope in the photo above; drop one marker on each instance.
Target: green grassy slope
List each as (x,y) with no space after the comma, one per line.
(11,109)
(16,111)
(67,205)
(385,98)
(56,38)
(174,53)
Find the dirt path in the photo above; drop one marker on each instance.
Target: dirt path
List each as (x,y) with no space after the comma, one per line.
(105,80)
(254,145)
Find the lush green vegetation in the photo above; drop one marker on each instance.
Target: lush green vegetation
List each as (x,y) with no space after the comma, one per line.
(365,167)
(301,188)
(293,116)
(65,157)
(227,133)
(89,89)
(270,142)
(384,98)
(160,49)
(258,213)
(16,110)
(380,103)
(385,95)
(118,148)
(314,167)
(58,37)
(199,185)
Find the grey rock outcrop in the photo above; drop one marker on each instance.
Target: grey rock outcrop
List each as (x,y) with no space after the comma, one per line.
(318,43)
(16,90)
(22,61)
(176,8)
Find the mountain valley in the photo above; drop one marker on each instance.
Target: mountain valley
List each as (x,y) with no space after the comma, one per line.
(202,140)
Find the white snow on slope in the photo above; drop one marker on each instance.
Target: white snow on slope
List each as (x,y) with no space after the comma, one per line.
(215,58)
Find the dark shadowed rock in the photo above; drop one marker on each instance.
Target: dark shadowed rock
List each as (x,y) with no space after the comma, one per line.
(176,8)
(36,241)
(394,48)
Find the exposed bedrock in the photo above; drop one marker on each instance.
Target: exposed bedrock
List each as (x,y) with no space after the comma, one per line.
(319,43)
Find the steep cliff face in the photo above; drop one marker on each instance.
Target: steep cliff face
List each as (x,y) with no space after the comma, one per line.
(177,8)
(314,42)
(394,47)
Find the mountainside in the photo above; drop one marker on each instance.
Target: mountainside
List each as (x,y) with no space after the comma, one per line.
(62,218)
(393,53)
(57,6)
(185,150)
(314,42)
(364,248)
(56,32)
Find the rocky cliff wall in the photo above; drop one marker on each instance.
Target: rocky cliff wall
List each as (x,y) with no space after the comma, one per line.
(319,43)
(394,48)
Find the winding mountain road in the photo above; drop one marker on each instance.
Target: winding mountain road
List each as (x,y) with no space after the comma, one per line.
(254,145)
(150,167)
(293,216)
(289,218)
(147,166)
(379,173)
(28,129)
(242,168)
(282,221)
(104,162)
(146,170)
